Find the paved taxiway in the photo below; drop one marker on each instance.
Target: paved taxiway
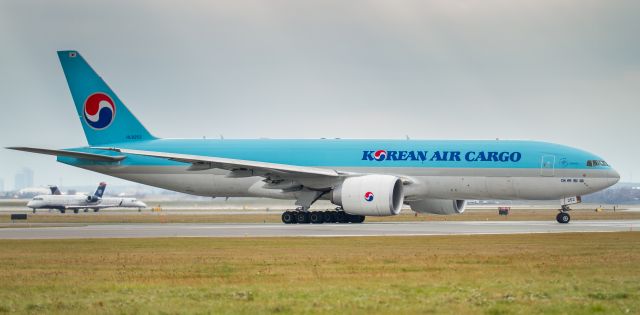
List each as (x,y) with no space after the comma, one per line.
(308,230)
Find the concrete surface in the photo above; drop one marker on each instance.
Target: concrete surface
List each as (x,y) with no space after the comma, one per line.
(151,230)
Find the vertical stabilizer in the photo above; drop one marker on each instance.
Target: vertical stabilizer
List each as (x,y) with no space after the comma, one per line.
(55,190)
(105,119)
(100,190)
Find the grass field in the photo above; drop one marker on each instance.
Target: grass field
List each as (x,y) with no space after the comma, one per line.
(596,273)
(525,214)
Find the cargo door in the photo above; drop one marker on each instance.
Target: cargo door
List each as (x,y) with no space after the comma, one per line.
(547,166)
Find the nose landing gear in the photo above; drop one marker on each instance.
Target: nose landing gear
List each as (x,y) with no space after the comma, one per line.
(564,217)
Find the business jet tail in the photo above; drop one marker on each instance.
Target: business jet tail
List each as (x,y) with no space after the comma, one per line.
(100,190)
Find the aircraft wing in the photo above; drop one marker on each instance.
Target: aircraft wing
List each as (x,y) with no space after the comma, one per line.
(254,168)
(74,154)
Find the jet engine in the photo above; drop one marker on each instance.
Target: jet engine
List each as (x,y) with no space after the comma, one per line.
(93,198)
(374,195)
(438,206)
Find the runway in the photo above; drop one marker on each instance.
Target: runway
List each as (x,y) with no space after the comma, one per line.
(151,230)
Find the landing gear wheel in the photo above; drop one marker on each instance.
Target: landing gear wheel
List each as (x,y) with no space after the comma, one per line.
(342,217)
(288,217)
(357,218)
(75,211)
(563,217)
(329,217)
(62,211)
(316,217)
(319,217)
(302,217)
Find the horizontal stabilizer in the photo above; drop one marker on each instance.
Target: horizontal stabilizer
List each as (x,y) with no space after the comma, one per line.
(74,154)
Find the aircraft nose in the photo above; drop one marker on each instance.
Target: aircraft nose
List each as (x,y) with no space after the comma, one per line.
(614,177)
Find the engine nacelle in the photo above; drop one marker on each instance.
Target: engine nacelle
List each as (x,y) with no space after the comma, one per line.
(438,206)
(374,195)
(92,199)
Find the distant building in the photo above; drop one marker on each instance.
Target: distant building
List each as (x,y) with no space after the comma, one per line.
(23,179)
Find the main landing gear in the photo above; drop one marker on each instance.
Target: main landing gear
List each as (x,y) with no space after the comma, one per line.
(319,217)
(563,216)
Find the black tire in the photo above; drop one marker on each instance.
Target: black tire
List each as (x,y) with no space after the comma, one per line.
(563,218)
(288,217)
(63,211)
(356,218)
(316,217)
(342,217)
(302,217)
(328,217)
(76,211)
(348,218)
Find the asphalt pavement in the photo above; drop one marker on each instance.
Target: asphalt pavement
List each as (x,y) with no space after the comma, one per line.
(152,230)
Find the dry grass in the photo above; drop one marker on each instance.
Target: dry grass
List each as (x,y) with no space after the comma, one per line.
(492,274)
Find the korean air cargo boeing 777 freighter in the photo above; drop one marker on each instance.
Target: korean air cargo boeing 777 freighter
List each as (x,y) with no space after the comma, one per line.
(362,177)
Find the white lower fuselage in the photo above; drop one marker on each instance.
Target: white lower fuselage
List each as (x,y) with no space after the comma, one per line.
(446,183)
(64,202)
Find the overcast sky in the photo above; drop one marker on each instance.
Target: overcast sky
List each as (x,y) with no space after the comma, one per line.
(560,71)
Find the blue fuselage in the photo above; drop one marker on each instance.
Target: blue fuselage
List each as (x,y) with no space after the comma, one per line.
(442,169)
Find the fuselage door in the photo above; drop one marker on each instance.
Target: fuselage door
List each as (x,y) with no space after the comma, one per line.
(547,167)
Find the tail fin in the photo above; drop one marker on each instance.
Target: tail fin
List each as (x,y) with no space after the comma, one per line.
(105,119)
(55,190)
(100,190)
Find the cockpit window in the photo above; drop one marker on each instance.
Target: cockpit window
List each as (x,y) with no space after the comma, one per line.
(593,163)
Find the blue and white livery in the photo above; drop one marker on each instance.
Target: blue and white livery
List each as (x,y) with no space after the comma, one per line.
(75,203)
(362,177)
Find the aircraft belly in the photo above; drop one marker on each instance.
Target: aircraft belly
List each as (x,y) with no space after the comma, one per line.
(508,188)
(210,183)
(427,182)
(197,184)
